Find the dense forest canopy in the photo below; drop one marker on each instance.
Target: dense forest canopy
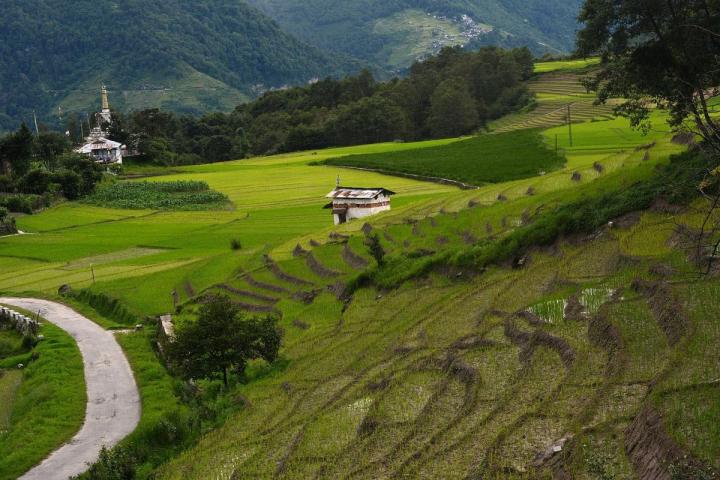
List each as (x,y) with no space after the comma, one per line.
(55,53)
(452,94)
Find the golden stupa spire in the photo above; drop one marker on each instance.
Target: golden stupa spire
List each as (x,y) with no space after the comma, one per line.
(105,103)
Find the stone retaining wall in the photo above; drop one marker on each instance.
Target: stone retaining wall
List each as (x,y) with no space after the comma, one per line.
(18,321)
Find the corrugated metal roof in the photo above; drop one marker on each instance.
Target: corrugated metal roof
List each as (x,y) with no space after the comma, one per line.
(358,193)
(100,143)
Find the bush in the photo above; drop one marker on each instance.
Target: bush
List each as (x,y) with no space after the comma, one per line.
(6,184)
(116,464)
(71,183)
(35,182)
(89,171)
(25,203)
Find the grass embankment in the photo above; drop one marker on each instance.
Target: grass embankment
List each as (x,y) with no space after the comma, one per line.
(179,195)
(48,407)
(479,160)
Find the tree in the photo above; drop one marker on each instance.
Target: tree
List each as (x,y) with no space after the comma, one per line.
(16,151)
(50,145)
(221,339)
(369,120)
(657,52)
(526,60)
(453,110)
(90,172)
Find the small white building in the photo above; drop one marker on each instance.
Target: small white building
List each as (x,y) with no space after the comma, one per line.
(97,146)
(349,203)
(103,150)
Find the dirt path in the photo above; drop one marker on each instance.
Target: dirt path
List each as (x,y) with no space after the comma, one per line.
(113,408)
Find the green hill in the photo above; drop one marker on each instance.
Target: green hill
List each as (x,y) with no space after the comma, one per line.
(394,33)
(181,55)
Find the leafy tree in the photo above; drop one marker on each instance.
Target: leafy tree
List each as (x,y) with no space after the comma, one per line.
(16,151)
(526,60)
(90,172)
(157,150)
(36,181)
(657,52)
(218,148)
(70,183)
(49,146)
(369,120)
(453,110)
(221,339)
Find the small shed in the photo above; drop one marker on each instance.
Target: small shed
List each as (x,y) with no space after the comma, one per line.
(349,203)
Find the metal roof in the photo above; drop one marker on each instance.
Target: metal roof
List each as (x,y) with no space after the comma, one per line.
(358,193)
(100,143)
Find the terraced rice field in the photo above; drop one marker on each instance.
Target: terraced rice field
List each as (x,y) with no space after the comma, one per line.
(547,368)
(556,93)
(483,376)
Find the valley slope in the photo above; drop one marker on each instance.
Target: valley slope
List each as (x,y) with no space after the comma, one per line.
(395,33)
(180,55)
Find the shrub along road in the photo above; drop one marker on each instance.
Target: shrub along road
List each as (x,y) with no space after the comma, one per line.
(113,408)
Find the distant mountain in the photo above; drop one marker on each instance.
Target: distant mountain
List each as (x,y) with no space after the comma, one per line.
(184,55)
(394,33)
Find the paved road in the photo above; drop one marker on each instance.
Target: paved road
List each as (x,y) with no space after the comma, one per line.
(113,408)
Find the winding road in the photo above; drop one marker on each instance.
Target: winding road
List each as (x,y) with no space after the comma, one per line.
(113,407)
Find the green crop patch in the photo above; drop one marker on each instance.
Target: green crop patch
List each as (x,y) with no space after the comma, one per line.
(178,195)
(476,161)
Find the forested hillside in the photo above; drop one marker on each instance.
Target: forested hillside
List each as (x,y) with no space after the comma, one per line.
(394,33)
(452,94)
(190,56)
